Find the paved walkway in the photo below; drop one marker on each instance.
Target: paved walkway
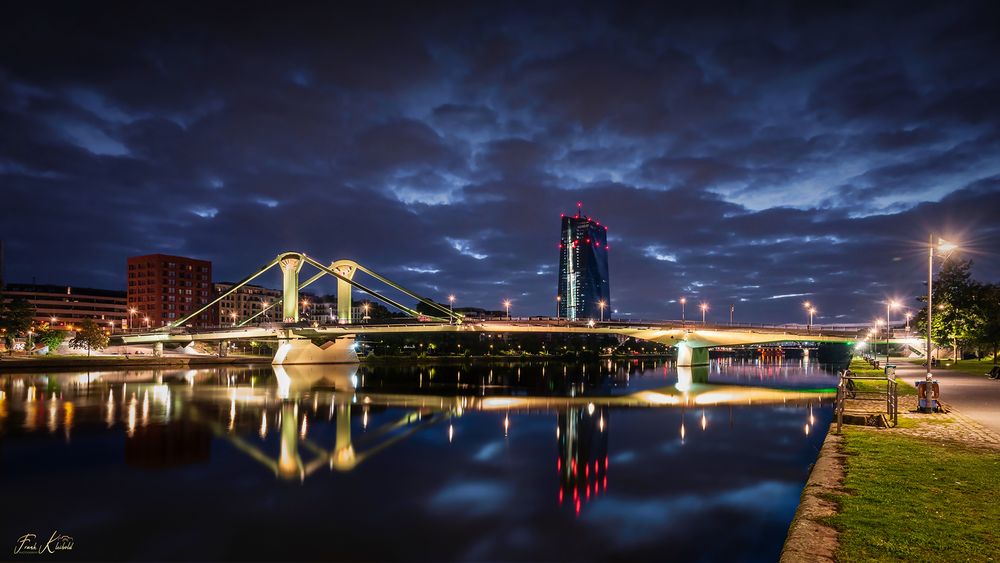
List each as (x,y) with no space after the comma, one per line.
(973,395)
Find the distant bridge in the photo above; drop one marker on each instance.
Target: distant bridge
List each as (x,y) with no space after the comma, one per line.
(295,339)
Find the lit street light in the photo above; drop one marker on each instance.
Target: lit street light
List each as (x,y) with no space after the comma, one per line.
(232,315)
(451,308)
(704,307)
(945,248)
(683,300)
(365,306)
(558,302)
(506,304)
(811,310)
(909,316)
(601,305)
(890,304)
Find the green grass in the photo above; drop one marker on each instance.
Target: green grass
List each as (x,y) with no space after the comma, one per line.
(976,367)
(914,501)
(861,367)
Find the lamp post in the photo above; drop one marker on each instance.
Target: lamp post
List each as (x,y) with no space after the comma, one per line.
(451,308)
(683,300)
(809,309)
(131,313)
(506,304)
(558,303)
(946,248)
(232,315)
(704,307)
(732,309)
(601,305)
(365,306)
(888,306)
(146,319)
(909,316)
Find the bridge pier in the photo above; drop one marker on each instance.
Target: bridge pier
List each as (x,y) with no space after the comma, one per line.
(292,350)
(223,348)
(290,267)
(688,356)
(158,349)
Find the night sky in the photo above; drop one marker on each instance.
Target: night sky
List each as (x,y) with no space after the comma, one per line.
(758,156)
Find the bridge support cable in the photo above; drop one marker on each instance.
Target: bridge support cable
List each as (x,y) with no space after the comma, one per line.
(367,290)
(451,314)
(277,302)
(230,291)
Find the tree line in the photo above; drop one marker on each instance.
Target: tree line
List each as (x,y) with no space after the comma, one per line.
(966,311)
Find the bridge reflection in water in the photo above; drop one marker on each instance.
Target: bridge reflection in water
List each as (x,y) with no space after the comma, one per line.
(625,458)
(169,415)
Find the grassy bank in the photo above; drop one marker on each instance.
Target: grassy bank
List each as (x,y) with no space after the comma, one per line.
(974,366)
(861,367)
(913,500)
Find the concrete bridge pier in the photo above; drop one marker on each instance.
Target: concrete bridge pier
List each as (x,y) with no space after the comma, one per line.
(158,349)
(294,350)
(688,356)
(223,348)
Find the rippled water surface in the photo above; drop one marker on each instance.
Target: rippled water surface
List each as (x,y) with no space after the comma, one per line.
(506,461)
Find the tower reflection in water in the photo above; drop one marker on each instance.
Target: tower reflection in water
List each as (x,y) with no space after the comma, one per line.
(582,465)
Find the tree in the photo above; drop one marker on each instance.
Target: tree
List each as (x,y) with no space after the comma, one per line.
(89,336)
(15,318)
(50,337)
(957,314)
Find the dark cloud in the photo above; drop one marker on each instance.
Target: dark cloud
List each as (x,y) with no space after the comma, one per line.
(744,154)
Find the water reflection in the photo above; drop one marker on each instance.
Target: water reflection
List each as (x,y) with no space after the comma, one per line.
(437,441)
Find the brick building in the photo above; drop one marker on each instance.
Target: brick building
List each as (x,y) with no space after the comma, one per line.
(163,289)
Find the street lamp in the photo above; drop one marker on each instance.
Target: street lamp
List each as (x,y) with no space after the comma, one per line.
(703,307)
(909,316)
(506,304)
(558,303)
(365,306)
(945,248)
(810,310)
(146,319)
(232,315)
(601,305)
(889,305)
(451,309)
(131,313)
(683,300)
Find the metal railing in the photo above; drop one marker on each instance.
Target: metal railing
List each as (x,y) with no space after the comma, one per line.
(847,390)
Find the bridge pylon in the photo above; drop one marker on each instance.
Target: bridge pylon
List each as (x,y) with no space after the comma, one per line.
(291,265)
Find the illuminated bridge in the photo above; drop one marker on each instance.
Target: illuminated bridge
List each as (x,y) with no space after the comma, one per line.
(296,340)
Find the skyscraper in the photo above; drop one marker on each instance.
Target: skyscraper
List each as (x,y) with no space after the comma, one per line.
(584,282)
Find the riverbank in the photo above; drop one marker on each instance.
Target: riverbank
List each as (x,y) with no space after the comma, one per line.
(925,490)
(119,362)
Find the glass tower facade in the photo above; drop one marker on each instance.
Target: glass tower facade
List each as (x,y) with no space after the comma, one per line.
(583,268)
